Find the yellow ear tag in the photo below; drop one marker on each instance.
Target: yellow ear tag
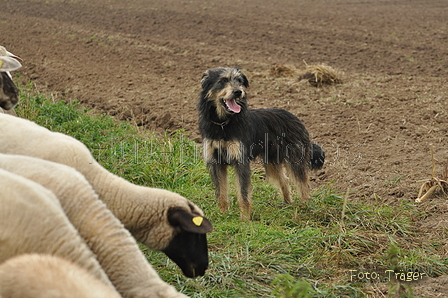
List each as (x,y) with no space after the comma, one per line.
(1,63)
(198,220)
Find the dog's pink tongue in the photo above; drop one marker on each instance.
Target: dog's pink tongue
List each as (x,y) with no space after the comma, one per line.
(233,106)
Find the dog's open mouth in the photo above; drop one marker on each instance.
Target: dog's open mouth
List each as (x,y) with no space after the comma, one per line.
(231,105)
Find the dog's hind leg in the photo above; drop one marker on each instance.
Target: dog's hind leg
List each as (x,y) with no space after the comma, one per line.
(275,173)
(244,188)
(218,172)
(298,173)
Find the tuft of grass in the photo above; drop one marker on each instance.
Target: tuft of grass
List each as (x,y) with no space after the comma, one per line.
(295,250)
(286,286)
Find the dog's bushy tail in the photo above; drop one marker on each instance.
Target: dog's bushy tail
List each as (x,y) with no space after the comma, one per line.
(317,157)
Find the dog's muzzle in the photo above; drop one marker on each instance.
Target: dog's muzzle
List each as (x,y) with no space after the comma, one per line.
(230,103)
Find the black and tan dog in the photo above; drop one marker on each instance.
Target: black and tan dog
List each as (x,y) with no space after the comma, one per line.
(233,135)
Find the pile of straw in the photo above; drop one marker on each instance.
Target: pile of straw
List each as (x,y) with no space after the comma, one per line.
(320,74)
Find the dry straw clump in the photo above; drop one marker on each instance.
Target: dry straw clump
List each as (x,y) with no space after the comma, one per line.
(429,186)
(320,74)
(279,70)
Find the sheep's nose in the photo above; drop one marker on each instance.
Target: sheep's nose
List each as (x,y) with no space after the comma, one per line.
(237,93)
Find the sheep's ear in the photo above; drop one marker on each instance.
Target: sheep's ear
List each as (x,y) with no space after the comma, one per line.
(9,64)
(188,221)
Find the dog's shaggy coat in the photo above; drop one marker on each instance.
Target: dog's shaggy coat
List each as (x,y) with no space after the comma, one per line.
(234,135)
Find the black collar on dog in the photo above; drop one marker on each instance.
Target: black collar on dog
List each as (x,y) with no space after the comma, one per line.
(222,124)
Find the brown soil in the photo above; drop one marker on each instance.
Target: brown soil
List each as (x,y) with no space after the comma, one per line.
(142,60)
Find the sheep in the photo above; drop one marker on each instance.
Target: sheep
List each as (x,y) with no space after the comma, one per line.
(9,94)
(32,221)
(114,247)
(160,219)
(46,276)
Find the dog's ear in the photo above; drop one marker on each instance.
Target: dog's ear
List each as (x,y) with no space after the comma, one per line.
(243,76)
(205,79)
(245,80)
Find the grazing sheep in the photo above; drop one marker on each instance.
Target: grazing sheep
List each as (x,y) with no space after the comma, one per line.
(5,53)
(9,94)
(46,276)
(32,221)
(160,219)
(114,247)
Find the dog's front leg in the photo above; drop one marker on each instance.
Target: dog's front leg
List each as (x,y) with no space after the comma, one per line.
(218,172)
(243,185)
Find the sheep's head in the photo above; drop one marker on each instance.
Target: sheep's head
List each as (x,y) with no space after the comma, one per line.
(9,94)
(188,248)
(165,221)
(8,91)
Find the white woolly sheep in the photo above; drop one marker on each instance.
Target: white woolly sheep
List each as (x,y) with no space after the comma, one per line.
(113,245)
(9,95)
(155,217)
(32,221)
(46,276)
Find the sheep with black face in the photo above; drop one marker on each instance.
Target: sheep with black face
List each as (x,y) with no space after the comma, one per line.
(160,219)
(9,94)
